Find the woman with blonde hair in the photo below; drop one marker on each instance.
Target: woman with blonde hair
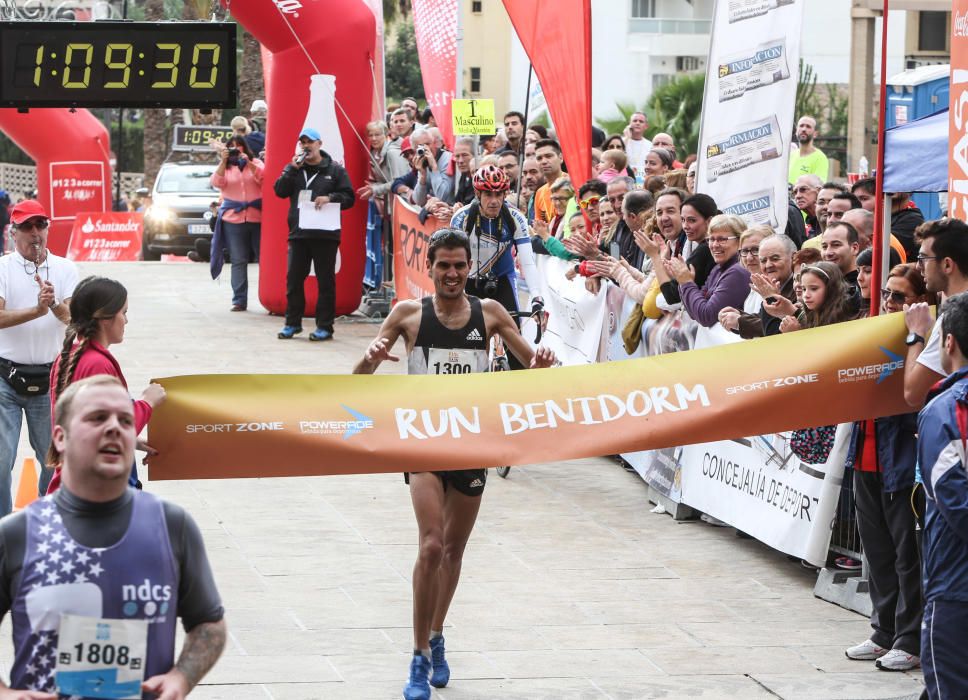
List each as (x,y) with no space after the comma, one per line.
(728,283)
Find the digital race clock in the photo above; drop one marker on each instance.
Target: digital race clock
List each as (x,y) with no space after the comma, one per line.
(117,64)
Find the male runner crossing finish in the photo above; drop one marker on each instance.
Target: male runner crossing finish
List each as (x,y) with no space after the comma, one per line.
(443,331)
(95,575)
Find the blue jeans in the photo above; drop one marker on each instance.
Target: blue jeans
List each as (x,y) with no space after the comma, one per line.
(13,407)
(243,243)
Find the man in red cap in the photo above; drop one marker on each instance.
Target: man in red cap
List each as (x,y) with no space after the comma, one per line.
(35,291)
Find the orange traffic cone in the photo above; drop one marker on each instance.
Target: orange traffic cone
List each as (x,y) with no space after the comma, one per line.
(27,489)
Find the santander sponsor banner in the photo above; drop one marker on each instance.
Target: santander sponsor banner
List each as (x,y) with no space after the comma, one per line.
(106,236)
(958,113)
(435,26)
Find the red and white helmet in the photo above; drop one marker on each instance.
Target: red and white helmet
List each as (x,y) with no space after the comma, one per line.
(491,178)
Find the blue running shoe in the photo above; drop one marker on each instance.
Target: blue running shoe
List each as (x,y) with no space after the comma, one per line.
(288,331)
(418,688)
(321,334)
(441,674)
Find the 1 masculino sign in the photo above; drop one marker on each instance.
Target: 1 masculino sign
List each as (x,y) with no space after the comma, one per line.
(464,421)
(106,237)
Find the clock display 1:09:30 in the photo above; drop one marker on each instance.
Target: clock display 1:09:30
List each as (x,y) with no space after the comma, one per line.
(75,64)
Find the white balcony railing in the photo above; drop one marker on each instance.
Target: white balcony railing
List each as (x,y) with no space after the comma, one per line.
(659,25)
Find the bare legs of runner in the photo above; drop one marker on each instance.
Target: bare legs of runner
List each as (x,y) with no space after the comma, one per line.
(445,520)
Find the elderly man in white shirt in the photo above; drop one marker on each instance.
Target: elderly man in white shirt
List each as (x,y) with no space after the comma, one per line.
(35,291)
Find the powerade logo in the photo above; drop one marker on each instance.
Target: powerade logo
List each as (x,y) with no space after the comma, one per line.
(348,428)
(878,372)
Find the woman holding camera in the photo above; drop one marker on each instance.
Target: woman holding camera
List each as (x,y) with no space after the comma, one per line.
(239,178)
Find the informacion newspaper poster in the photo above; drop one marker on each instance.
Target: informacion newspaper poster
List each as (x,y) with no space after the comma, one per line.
(747,114)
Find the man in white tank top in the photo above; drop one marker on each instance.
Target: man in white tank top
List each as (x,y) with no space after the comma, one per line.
(447,333)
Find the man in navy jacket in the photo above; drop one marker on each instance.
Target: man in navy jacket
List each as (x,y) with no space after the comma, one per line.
(942,427)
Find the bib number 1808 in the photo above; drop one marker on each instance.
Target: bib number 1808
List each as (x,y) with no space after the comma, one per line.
(108,654)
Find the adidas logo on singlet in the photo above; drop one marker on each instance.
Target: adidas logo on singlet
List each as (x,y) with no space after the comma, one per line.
(477,482)
(474,335)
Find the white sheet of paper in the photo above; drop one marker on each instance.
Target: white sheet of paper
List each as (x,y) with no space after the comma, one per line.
(326,217)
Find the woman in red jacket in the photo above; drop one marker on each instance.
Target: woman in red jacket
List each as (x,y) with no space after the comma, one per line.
(99,313)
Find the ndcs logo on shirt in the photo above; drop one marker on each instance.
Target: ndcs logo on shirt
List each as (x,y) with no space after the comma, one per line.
(148,598)
(878,371)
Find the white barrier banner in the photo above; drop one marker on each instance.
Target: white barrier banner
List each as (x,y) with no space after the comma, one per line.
(747,115)
(576,318)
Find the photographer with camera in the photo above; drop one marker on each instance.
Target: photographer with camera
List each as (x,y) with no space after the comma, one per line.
(312,176)
(493,227)
(239,219)
(432,163)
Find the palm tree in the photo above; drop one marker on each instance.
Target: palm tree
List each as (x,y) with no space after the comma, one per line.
(676,108)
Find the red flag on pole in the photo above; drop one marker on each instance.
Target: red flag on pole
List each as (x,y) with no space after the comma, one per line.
(557,37)
(435,25)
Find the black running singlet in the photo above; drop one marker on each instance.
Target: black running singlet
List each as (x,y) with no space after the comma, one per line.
(442,350)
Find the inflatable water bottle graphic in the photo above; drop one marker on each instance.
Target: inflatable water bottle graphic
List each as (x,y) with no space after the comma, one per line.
(321,115)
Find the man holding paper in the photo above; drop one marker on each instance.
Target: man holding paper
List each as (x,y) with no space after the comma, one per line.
(318,189)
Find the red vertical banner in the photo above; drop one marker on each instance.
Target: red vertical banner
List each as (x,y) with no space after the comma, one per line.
(435,26)
(958,113)
(557,36)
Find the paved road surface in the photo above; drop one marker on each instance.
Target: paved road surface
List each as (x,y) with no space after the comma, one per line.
(570,589)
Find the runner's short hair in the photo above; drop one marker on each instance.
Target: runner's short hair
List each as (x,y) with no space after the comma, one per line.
(449,239)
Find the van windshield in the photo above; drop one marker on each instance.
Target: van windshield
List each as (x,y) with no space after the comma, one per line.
(189,180)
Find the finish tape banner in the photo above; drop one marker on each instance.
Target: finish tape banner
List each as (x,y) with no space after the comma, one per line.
(411,279)
(227,426)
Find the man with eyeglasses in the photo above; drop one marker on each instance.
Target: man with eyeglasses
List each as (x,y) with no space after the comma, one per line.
(35,291)
(943,260)
(775,280)
(805,192)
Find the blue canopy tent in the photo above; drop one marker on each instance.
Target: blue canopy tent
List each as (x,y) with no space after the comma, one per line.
(916,155)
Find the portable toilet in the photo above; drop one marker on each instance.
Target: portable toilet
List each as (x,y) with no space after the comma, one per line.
(913,94)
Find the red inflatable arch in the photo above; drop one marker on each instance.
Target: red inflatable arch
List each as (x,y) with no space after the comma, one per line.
(71,145)
(307,38)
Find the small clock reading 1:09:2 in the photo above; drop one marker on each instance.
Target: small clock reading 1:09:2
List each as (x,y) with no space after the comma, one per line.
(117,64)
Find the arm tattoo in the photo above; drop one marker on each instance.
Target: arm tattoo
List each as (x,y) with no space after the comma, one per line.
(203,646)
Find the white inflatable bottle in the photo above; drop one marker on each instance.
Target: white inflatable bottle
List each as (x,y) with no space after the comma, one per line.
(321,116)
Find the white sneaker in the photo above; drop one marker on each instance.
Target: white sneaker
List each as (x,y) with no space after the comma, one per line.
(866,651)
(898,660)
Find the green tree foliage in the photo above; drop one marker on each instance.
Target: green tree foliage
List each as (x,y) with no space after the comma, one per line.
(403,67)
(674,108)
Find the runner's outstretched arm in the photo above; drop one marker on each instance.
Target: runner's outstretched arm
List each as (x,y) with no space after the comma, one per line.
(379,350)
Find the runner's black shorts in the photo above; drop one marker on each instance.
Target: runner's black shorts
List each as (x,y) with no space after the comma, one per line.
(469,482)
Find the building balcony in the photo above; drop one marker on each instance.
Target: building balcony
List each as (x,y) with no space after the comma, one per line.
(660,25)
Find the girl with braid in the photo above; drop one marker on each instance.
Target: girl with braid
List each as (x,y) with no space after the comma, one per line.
(99,313)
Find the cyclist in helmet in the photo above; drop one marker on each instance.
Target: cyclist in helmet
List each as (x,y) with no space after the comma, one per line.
(493,228)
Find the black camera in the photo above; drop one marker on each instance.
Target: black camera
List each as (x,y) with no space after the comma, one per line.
(234,152)
(489,287)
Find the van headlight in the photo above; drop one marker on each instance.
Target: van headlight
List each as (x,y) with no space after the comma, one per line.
(159,212)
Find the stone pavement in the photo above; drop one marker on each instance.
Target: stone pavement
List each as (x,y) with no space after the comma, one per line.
(571,588)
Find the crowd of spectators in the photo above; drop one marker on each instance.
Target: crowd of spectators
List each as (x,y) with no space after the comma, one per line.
(695,272)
